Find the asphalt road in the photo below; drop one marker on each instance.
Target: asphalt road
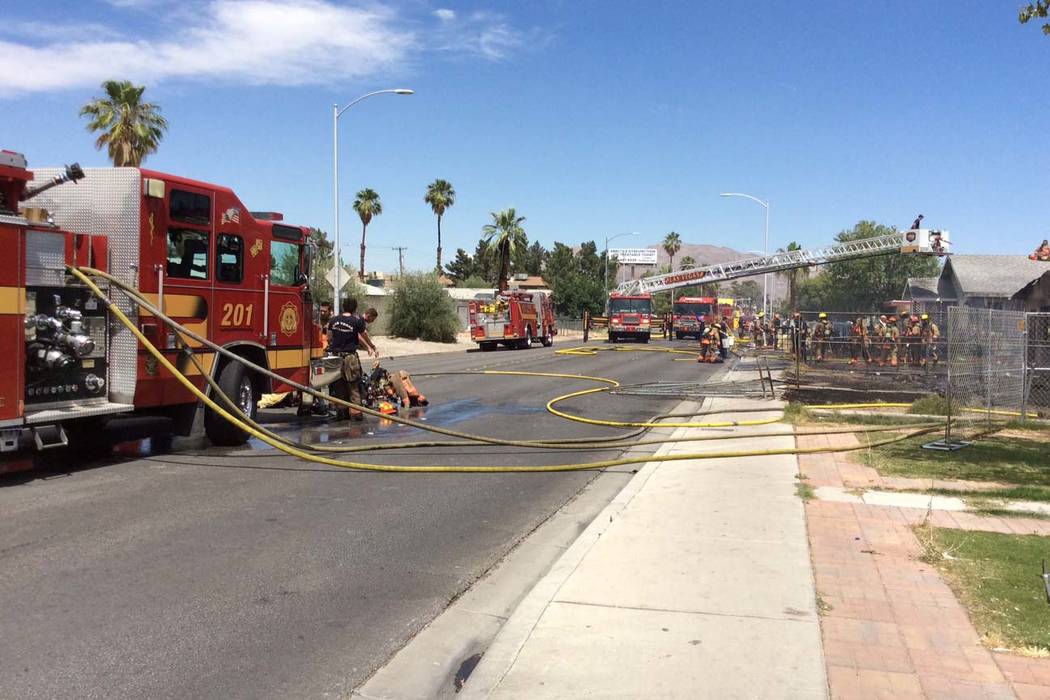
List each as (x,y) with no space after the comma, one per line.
(244,573)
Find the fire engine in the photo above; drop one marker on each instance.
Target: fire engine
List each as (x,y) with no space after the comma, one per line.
(514,319)
(630,316)
(690,314)
(236,277)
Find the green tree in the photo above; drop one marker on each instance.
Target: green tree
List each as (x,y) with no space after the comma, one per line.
(485,262)
(576,279)
(792,276)
(506,234)
(746,289)
(672,244)
(129,128)
(421,308)
(440,196)
(531,259)
(864,284)
(474,282)
(367,205)
(461,267)
(687,263)
(1037,9)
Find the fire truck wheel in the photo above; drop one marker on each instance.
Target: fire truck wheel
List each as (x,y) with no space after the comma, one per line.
(645,338)
(236,383)
(488,345)
(677,335)
(548,339)
(613,337)
(527,343)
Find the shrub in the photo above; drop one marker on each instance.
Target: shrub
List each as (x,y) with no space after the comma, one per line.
(421,308)
(474,282)
(932,405)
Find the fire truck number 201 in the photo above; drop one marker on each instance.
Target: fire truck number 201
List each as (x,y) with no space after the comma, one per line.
(236,315)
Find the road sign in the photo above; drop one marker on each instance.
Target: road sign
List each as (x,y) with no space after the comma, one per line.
(344,277)
(634,256)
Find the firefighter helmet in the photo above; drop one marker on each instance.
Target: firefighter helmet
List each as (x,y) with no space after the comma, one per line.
(925,317)
(822,315)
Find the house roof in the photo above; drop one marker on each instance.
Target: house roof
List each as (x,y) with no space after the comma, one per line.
(1026,290)
(921,288)
(994,275)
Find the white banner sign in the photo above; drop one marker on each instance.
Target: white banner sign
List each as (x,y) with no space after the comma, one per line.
(634,256)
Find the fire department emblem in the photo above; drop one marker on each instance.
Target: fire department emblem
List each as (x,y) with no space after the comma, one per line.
(910,236)
(256,247)
(289,318)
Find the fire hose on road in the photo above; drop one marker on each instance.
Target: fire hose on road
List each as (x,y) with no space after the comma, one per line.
(310,452)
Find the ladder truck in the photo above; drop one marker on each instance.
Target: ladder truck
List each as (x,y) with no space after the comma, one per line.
(913,241)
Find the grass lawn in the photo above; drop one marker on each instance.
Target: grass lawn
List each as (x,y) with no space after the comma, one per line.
(1010,460)
(997,578)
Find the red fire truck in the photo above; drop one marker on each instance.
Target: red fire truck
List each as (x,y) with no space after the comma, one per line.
(514,319)
(630,316)
(191,248)
(690,314)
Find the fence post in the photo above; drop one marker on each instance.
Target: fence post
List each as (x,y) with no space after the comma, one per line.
(586,325)
(1025,374)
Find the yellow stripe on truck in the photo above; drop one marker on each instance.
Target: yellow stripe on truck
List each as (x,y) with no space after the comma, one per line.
(288,359)
(179,305)
(12,300)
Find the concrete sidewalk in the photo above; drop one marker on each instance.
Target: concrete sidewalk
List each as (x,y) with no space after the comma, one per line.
(694,582)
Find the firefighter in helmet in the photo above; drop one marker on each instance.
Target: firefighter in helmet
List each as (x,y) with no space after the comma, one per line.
(760,329)
(915,349)
(858,346)
(929,332)
(711,342)
(822,338)
(890,341)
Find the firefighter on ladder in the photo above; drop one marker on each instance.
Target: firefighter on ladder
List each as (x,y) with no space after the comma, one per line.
(929,332)
(858,333)
(822,338)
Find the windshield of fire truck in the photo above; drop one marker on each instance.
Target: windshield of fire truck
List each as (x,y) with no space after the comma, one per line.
(691,309)
(630,306)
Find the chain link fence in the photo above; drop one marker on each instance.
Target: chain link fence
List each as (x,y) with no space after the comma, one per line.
(1037,357)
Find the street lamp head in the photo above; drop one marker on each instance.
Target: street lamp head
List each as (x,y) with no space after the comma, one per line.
(404,91)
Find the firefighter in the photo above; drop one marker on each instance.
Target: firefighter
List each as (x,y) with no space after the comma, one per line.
(929,333)
(879,337)
(775,328)
(760,330)
(346,333)
(822,338)
(890,342)
(711,342)
(858,334)
(798,332)
(915,343)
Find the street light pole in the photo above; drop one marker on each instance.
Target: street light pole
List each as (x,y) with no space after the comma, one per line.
(607,239)
(336,113)
(765,277)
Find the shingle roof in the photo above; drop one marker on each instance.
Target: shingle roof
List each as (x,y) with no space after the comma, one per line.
(994,275)
(922,287)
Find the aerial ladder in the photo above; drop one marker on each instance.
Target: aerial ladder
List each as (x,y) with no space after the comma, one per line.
(913,241)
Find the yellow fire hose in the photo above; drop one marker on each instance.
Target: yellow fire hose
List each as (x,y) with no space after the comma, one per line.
(252,429)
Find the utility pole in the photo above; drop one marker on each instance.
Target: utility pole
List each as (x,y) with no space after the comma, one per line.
(400,257)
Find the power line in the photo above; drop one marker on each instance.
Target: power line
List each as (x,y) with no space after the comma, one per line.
(400,257)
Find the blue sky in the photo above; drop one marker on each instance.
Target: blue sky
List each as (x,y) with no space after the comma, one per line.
(591,118)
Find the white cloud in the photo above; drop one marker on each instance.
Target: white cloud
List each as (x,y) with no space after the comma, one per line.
(444,14)
(485,34)
(274,42)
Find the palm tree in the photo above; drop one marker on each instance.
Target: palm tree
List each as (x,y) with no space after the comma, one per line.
(507,235)
(440,196)
(687,263)
(367,205)
(130,128)
(792,276)
(672,244)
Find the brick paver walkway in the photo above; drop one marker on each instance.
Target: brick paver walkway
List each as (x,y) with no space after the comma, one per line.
(894,629)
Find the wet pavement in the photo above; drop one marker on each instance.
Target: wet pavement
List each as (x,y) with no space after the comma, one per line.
(174,569)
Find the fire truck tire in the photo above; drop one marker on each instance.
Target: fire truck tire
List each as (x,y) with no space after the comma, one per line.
(235,382)
(548,338)
(527,343)
(645,338)
(678,335)
(488,345)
